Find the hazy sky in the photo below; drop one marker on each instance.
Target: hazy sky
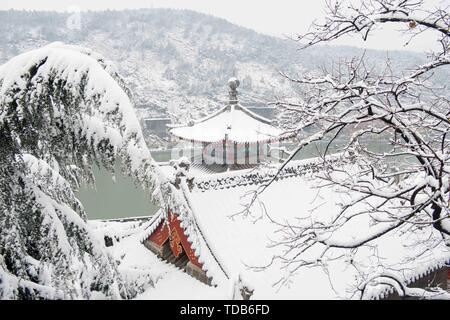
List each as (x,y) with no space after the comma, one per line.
(273,17)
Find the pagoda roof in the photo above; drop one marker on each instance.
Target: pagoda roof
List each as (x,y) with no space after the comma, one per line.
(233,123)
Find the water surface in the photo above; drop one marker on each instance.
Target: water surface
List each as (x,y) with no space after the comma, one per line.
(122,199)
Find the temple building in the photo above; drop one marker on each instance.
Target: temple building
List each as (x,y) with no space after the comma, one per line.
(222,242)
(234,136)
(220,239)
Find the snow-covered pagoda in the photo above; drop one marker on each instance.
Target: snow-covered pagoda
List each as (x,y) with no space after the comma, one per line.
(231,136)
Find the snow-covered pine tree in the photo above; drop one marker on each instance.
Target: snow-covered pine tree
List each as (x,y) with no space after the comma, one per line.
(62,110)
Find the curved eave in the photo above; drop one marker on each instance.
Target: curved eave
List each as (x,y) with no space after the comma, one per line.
(279,138)
(262,141)
(210,264)
(152,225)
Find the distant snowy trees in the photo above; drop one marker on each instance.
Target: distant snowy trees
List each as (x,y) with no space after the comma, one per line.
(62,110)
(195,53)
(403,187)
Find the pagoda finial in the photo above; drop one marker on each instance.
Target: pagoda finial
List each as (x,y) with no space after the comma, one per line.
(233,83)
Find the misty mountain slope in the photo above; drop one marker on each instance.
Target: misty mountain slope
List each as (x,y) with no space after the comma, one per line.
(177,62)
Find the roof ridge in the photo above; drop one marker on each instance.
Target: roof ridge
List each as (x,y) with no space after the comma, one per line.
(256,177)
(212,115)
(253,114)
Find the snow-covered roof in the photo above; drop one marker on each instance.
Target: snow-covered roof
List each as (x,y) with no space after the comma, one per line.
(232,244)
(234,123)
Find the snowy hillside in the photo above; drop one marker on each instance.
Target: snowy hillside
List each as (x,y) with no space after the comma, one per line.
(177,62)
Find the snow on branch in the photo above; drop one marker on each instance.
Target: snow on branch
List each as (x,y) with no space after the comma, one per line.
(392,129)
(344,17)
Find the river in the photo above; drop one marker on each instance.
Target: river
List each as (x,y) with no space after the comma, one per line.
(122,199)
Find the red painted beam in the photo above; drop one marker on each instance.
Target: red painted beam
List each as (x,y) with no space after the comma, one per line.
(173,232)
(160,235)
